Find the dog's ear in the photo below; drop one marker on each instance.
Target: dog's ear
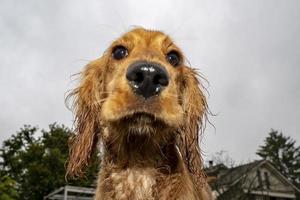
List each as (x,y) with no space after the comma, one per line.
(87,102)
(195,111)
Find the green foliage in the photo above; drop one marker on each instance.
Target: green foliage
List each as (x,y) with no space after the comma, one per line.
(37,163)
(7,188)
(283,153)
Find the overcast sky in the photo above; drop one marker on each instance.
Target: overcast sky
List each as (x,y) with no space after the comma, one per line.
(248,50)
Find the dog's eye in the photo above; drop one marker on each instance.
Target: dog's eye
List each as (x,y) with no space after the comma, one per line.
(173,58)
(119,52)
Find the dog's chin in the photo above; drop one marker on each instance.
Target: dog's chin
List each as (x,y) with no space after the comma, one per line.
(141,123)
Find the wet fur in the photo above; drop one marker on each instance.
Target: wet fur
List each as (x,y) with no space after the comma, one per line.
(151,147)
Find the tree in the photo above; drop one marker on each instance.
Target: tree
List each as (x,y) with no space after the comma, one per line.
(37,163)
(222,157)
(283,153)
(8,188)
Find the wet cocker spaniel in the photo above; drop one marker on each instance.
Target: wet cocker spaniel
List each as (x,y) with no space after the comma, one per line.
(145,107)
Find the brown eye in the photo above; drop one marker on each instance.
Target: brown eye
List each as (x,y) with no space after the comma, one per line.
(119,52)
(173,58)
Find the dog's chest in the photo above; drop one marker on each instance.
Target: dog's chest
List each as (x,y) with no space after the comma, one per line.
(133,184)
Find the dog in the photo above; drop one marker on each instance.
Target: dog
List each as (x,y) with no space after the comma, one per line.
(146,109)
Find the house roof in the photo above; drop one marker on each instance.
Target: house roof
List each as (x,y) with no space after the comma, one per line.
(230,176)
(235,173)
(215,169)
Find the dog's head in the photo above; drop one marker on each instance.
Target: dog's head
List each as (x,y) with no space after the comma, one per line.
(140,85)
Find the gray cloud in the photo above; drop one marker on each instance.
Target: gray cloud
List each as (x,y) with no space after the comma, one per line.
(248,50)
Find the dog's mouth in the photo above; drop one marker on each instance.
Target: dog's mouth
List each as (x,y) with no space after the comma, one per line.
(142,119)
(142,122)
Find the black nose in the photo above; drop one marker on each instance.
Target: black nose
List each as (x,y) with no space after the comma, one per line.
(147,79)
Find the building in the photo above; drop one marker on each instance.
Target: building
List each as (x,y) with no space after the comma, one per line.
(258,180)
(71,193)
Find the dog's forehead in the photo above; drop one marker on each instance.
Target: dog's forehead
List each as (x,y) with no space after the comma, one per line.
(149,38)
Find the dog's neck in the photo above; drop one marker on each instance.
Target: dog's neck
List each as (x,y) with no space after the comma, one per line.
(142,151)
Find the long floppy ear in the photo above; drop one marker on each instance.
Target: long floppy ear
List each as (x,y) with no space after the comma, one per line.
(195,111)
(87,102)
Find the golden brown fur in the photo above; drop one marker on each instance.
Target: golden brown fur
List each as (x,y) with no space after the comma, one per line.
(151,148)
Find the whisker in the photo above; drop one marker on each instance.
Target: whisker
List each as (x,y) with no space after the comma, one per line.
(99,101)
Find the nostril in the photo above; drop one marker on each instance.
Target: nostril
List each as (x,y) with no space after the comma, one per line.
(156,79)
(135,76)
(139,77)
(159,79)
(163,81)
